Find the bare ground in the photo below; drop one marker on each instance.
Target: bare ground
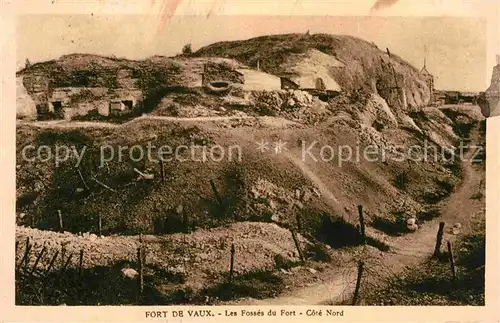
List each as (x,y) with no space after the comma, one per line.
(407,250)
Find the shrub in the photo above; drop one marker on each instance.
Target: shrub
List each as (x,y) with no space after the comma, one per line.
(477,196)
(187,50)
(394,227)
(284,263)
(318,252)
(258,284)
(401,180)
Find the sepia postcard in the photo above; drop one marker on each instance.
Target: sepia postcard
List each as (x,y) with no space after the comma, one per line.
(213,161)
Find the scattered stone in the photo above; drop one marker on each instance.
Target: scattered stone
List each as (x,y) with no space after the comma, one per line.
(179,209)
(284,271)
(455,231)
(299,205)
(306,196)
(457,225)
(129,273)
(411,221)
(312,270)
(297,194)
(412,227)
(92,237)
(22,215)
(79,190)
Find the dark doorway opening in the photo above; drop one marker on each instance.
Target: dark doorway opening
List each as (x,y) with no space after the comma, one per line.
(42,111)
(42,108)
(324,97)
(219,84)
(58,110)
(128,104)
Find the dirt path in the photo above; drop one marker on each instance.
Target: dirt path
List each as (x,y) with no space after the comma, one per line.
(408,250)
(270,121)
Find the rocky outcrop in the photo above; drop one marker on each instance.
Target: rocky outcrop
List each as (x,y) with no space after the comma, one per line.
(492,108)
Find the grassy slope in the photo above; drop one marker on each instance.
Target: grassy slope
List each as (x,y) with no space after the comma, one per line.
(144,206)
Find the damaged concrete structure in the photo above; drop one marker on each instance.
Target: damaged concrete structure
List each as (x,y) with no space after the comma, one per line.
(218,77)
(65,102)
(323,88)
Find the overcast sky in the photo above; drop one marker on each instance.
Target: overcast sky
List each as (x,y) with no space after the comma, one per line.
(456,46)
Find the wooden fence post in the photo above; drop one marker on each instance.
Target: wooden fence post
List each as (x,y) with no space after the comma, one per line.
(162,171)
(299,223)
(297,245)
(185,222)
(217,196)
(439,240)
(52,261)
(63,269)
(141,278)
(25,260)
(59,215)
(83,180)
(452,261)
(358,283)
(80,263)
(99,225)
(63,253)
(38,260)
(231,266)
(361,225)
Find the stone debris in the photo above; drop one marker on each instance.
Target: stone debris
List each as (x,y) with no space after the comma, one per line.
(411,221)
(413,227)
(129,273)
(457,227)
